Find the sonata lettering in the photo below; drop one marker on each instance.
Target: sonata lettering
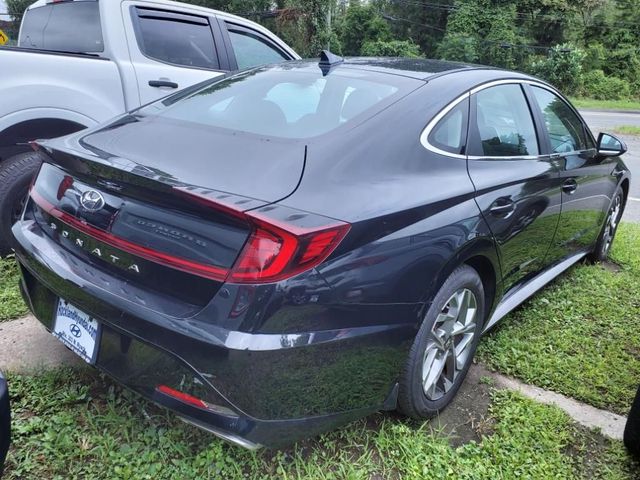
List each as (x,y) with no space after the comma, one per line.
(98,252)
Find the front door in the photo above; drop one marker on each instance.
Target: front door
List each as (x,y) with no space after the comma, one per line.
(517,183)
(587,183)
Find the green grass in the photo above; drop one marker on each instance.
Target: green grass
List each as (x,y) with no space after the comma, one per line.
(606,104)
(627,129)
(11,304)
(77,424)
(581,335)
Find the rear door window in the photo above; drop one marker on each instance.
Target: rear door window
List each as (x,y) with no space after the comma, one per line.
(178,39)
(504,123)
(65,27)
(252,49)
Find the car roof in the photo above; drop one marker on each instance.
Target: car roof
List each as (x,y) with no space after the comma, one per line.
(419,68)
(415,68)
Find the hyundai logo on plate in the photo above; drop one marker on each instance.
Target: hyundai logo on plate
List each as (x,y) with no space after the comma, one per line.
(75,330)
(92,201)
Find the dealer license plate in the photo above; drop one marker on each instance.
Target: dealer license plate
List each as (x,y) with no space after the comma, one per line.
(77,330)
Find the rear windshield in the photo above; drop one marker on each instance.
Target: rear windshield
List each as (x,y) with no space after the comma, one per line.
(66,27)
(286,102)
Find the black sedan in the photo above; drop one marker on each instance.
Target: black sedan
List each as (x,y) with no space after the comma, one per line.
(290,248)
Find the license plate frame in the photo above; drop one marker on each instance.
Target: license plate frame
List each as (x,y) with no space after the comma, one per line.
(77,330)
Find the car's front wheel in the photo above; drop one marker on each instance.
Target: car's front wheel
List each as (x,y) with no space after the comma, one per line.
(443,350)
(605,240)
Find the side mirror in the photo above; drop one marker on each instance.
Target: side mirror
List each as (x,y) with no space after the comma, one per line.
(610,145)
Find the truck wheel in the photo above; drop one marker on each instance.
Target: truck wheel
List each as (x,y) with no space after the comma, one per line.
(15,177)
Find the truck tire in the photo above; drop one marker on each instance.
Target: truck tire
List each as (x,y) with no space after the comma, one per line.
(15,177)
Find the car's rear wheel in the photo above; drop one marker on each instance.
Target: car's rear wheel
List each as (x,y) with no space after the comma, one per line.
(16,174)
(605,240)
(444,347)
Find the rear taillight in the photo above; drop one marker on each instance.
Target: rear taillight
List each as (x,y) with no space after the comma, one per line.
(277,252)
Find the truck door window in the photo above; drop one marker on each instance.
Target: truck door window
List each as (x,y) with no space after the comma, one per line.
(176,38)
(66,27)
(252,50)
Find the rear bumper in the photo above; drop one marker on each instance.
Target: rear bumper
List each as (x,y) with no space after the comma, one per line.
(264,389)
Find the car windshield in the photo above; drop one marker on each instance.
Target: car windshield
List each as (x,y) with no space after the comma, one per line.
(284,101)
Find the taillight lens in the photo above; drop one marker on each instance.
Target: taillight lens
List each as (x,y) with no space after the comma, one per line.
(275,253)
(277,250)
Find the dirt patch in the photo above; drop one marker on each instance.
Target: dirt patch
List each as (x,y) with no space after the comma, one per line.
(592,454)
(467,418)
(611,266)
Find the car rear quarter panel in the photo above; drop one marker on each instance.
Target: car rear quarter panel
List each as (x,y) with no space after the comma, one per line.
(413,214)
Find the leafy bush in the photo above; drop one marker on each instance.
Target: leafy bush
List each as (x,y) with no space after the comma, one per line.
(393,48)
(601,87)
(562,67)
(362,24)
(624,62)
(595,57)
(459,48)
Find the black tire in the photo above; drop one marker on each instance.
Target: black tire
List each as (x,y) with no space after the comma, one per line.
(632,428)
(605,239)
(15,177)
(413,401)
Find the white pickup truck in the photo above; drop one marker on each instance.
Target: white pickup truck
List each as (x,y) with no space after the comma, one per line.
(81,62)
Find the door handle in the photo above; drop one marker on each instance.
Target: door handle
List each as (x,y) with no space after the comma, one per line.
(569,186)
(162,83)
(502,207)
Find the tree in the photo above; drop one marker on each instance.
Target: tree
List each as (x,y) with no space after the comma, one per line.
(393,48)
(362,24)
(15,9)
(562,67)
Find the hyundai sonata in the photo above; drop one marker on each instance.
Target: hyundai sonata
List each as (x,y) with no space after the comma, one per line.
(281,251)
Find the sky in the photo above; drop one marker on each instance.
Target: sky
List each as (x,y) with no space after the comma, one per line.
(3,6)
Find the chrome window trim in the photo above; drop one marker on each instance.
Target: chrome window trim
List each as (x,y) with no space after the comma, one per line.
(424,136)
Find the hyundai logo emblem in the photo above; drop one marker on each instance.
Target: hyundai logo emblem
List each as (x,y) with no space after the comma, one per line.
(92,201)
(75,330)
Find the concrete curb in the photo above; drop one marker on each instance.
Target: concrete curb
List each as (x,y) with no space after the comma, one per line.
(609,424)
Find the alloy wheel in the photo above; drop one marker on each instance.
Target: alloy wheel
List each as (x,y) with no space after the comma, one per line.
(612,223)
(449,345)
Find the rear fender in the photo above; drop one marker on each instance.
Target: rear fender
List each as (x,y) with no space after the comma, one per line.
(478,252)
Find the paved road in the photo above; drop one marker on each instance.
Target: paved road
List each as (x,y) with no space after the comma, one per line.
(606,122)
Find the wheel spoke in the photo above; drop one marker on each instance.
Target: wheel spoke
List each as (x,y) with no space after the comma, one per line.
(450,372)
(461,351)
(461,329)
(434,375)
(429,358)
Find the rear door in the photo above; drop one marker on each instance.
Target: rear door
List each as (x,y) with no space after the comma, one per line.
(517,182)
(587,183)
(171,49)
